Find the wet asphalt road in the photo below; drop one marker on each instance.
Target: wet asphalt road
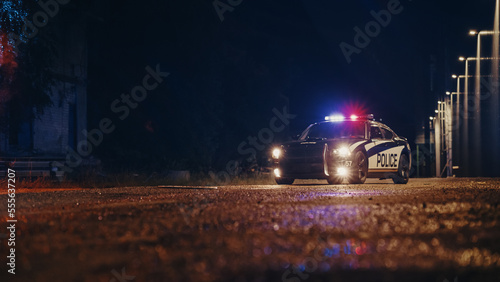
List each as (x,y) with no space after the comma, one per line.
(428,230)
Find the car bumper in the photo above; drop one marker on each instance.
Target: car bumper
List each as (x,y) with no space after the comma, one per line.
(318,170)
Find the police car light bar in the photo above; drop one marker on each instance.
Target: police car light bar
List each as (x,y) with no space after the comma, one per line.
(337,118)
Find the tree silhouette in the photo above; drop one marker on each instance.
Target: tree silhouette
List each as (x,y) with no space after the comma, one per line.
(25,74)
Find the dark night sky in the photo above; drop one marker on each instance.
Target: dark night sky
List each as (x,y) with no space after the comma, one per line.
(227,76)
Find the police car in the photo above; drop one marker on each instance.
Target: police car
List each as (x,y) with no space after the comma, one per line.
(344,149)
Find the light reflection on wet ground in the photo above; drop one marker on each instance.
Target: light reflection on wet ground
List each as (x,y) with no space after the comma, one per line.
(428,230)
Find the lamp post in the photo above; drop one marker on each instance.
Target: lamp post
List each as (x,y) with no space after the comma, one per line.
(442,122)
(458,99)
(442,110)
(465,131)
(495,95)
(449,133)
(437,141)
(442,138)
(477,93)
(456,127)
(477,113)
(455,117)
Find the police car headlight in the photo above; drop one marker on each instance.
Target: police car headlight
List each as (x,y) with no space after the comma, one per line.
(342,171)
(343,152)
(277,152)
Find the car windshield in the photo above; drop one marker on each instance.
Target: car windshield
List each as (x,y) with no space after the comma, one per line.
(329,130)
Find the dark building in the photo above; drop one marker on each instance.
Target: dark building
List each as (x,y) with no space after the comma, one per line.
(60,124)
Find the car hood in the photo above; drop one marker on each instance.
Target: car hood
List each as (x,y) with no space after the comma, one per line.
(337,142)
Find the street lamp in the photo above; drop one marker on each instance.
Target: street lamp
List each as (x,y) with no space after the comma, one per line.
(442,118)
(465,132)
(478,55)
(450,131)
(436,122)
(442,137)
(457,116)
(457,127)
(477,97)
(477,112)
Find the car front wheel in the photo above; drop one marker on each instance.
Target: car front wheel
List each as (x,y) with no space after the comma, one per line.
(284,181)
(403,171)
(334,180)
(360,169)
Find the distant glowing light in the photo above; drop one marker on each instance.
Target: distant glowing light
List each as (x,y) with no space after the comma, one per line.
(461,58)
(354,117)
(436,111)
(342,171)
(277,153)
(454,76)
(472,32)
(448,93)
(431,118)
(277,172)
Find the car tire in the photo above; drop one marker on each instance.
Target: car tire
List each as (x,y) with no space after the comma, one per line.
(360,169)
(284,181)
(403,171)
(334,180)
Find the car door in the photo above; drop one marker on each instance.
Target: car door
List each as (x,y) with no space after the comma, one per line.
(376,149)
(393,150)
(389,158)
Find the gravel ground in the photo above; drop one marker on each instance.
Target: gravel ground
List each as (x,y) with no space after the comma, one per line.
(428,230)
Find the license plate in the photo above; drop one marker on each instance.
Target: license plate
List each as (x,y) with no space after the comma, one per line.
(345,163)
